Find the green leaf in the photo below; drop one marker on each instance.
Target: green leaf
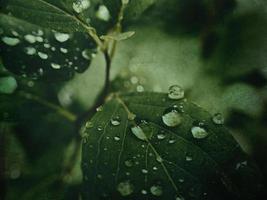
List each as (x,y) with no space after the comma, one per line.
(144,158)
(47,13)
(35,52)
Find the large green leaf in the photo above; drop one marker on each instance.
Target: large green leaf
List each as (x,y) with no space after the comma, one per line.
(187,154)
(37,52)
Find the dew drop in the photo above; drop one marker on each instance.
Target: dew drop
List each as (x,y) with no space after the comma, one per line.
(55,66)
(103,13)
(143,191)
(99,109)
(218,119)
(30,38)
(61,37)
(188,158)
(89,124)
(115,121)
(172,118)
(125,188)
(30,50)
(64,50)
(179,197)
(162,135)
(128,163)
(176,92)
(42,55)
(172,141)
(159,158)
(138,132)
(144,171)
(86,54)
(156,190)
(198,132)
(116,138)
(10,41)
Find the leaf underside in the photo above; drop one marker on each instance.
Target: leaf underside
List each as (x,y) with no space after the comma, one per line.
(118,165)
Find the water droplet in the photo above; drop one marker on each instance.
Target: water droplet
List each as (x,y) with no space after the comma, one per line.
(138,132)
(42,55)
(156,190)
(99,128)
(61,37)
(64,50)
(162,135)
(140,88)
(179,197)
(116,138)
(30,50)
(103,13)
(198,132)
(80,5)
(172,141)
(39,39)
(86,54)
(55,66)
(15,33)
(143,191)
(30,38)
(134,80)
(144,171)
(218,118)
(46,45)
(172,118)
(159,158)
(10,41)
(241,164)
(176,92)
(188,158)
(115,121)
(128,163)
(99,109)
(155,168)
(99,176)
(125,188)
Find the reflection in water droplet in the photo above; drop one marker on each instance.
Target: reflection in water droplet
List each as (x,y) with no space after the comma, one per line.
(172,118)
(125,188)
(218,118)
(10,41)
(115,121)
(198,132)
(156,190)
(176,92)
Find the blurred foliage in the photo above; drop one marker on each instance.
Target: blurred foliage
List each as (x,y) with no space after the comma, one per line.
(215,49)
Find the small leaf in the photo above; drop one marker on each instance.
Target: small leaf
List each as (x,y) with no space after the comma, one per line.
(162,162)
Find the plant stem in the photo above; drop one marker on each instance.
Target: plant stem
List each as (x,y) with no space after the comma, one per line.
(63,112)
(101,97)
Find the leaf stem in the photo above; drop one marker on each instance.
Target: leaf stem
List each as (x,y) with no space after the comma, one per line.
(63,112)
